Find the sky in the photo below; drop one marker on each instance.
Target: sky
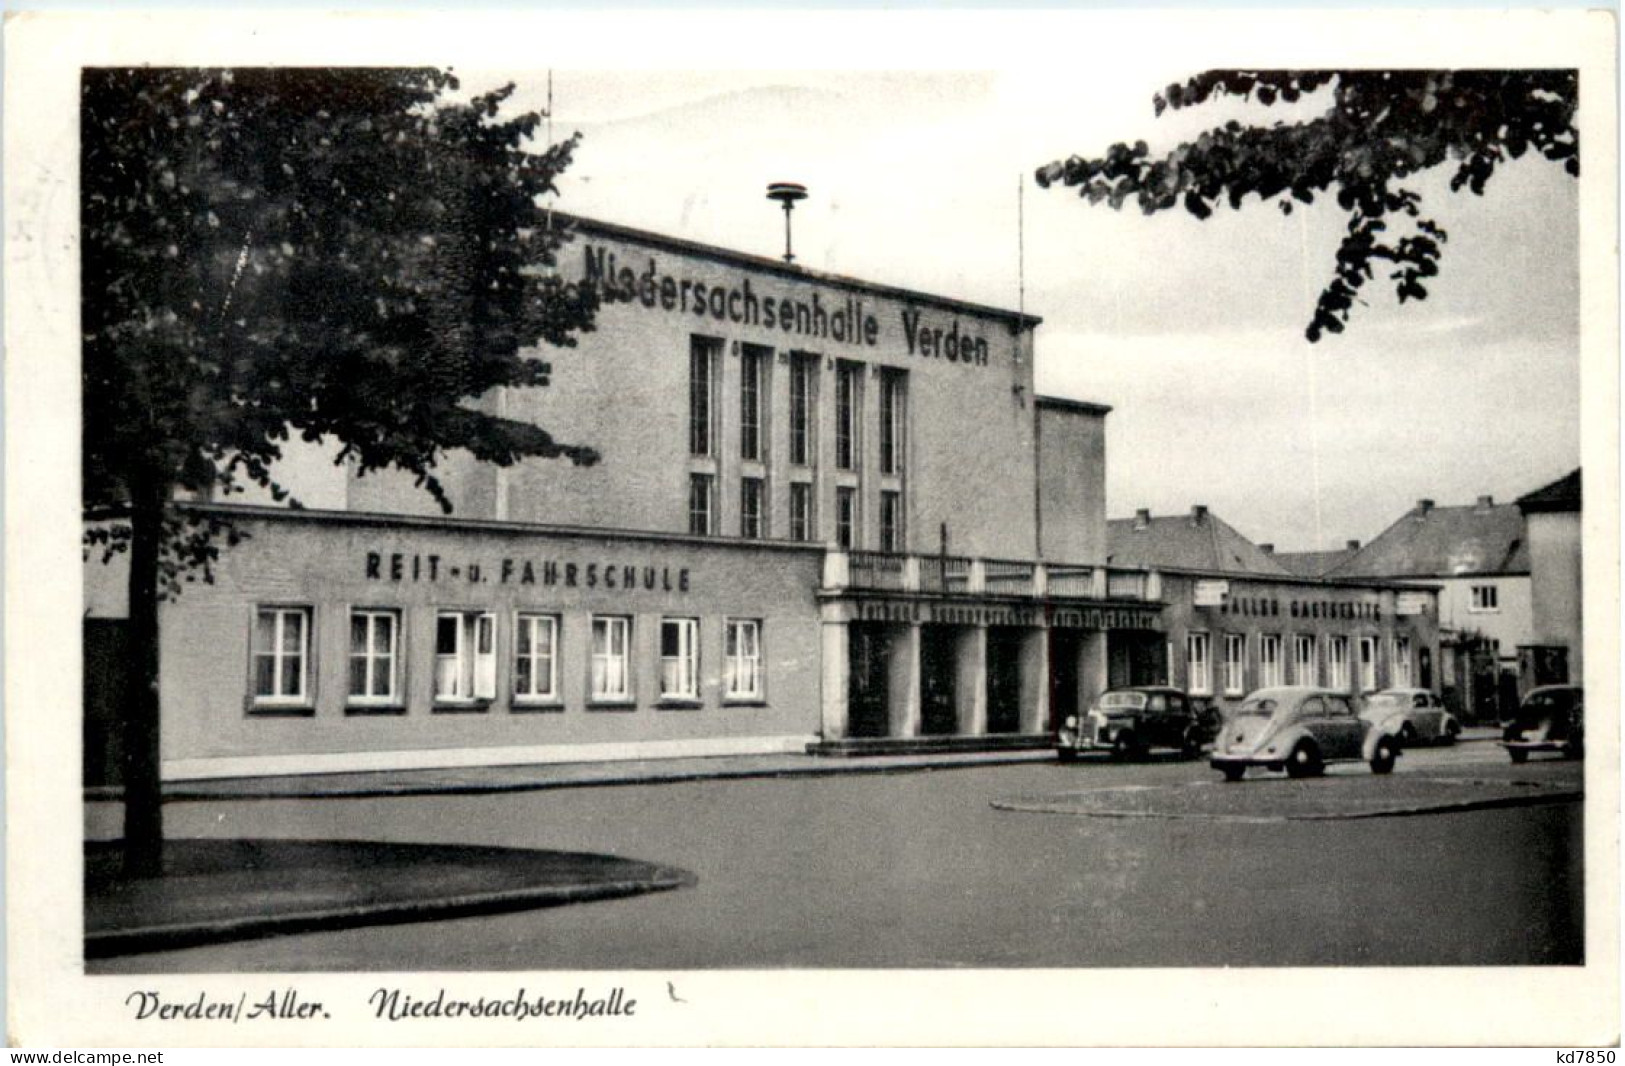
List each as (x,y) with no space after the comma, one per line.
(1192,331)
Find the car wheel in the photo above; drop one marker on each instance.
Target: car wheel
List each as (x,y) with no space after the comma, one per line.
(1124,745)
(1066,754)
(1233,773)
(1382,760)
(1518,755)
(1304,761)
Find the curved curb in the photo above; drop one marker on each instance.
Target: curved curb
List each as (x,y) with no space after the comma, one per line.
(633,878)
(1539,795)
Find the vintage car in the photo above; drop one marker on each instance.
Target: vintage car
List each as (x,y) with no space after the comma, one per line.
(1128,722)
(1551,718)
(1414,715)
(1299,729)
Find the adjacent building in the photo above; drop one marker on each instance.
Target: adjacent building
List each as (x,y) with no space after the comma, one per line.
(829,514)
(1236,619)
(1555,652)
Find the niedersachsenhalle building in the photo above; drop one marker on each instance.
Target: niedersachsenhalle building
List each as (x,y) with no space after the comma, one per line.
(829,515)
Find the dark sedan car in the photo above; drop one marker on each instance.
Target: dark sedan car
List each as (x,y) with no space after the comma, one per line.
(1128,722)
(1551,718)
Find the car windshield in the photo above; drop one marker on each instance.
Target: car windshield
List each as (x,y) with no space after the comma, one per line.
(1117,701)
(1256,709)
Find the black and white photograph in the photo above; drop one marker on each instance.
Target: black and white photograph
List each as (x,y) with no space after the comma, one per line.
(519,532)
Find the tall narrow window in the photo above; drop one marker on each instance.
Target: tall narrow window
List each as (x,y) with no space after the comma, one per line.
(372,656)
(1402,662)
(891,521)
(1269,660)
(893,392)
(744,659)
(750,507)
(1198,664)
(847,384)
(702,359)
(752,374)
(281,651)
(465,656)
(535,658)
(611,669)
(801,525)
(1305,669)
(846,518)
(802,420)
(1337,662)
(1235,664)
(700,506)
(1368,664)
(679,658)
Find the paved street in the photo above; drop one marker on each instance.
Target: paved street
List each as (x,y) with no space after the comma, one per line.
(920,870)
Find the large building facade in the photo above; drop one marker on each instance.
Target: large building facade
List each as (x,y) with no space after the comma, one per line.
(828,514)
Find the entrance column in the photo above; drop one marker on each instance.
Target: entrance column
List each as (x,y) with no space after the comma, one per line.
(1035,681)
(904,688)
(837,672)
(970,686)
(1093,671)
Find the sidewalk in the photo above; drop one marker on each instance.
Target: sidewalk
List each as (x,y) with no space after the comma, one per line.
(479,779)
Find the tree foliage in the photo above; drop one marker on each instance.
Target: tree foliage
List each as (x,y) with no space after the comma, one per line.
(351,257)
(1380,129)
(341,255)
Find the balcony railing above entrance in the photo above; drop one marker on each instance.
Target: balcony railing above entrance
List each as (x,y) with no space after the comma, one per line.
(885,571)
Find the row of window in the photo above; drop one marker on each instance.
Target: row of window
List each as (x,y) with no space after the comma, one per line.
(465,657)
(1485,599)
(1271,666)
(753,515)
(705,354)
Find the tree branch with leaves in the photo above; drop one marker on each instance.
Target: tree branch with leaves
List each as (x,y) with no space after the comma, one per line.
(1380,128)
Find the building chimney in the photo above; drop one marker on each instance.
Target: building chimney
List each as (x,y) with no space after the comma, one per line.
(1424,506)
(1486,502)
(1199,513)
(1142,518)
(1353,545)
(1267,549)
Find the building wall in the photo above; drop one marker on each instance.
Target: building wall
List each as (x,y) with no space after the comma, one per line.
(624,391)
(332,564)
(1511,623)
(1254,608)
(1556,584)
(1071,482)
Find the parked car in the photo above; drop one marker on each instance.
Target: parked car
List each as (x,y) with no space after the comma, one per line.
(1414,715)
(1299,729)
(1128,722)
(1551,718)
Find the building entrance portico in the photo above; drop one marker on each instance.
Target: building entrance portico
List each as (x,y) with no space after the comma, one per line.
(958,668)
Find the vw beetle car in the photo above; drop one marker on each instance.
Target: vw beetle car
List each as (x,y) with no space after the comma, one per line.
(1299,729)
(1414,715)
(1129,721)
(1551,718)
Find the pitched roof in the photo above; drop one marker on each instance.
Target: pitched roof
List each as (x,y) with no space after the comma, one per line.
(1561,495)
(1196,541)
(1429,541)
(1312,564)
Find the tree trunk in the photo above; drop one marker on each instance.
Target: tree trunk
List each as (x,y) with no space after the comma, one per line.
(143,800)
